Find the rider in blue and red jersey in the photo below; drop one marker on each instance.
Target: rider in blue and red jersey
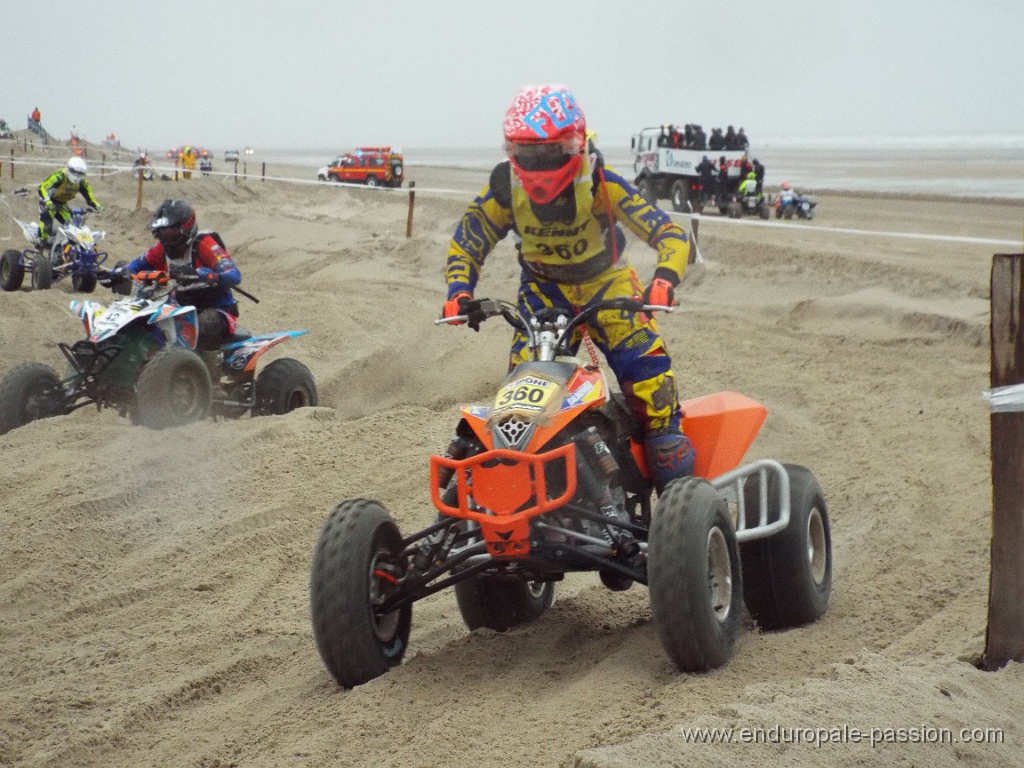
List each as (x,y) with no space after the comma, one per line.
(564,207)
(182,249)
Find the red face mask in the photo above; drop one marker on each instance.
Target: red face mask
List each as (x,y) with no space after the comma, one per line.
(545,170)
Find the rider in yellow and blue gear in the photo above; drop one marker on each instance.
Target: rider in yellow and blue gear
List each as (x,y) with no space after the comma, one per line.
(57,190)
(564,207)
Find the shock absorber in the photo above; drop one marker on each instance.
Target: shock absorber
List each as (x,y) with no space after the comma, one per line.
(596,468)
(599,454)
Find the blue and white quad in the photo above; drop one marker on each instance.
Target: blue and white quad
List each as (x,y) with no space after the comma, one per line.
(73,253)
(140,358)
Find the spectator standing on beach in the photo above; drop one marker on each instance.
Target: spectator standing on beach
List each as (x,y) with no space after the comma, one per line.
(759,174)
(188,162)
(36,117)
(724,187)
(141,166)
(706,169)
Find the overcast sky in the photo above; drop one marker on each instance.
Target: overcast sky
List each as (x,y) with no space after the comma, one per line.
(335,74)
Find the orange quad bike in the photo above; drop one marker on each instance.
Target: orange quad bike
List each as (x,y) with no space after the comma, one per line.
(550,478)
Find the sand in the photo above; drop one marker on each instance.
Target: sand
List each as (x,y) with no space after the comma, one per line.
(154,585)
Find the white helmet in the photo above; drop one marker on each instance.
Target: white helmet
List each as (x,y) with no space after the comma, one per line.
(76,169)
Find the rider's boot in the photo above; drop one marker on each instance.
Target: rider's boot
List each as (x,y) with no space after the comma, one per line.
(670,457)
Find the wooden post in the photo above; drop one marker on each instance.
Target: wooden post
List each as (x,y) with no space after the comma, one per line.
(412,200)
(175,169)
(263,173)
(138,197)
(12,163)
(103,165)
(1004,640)
(236,171)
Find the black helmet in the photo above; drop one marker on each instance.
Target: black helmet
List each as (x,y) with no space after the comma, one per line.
(174,225)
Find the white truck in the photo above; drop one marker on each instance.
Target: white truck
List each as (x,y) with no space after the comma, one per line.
(664,171)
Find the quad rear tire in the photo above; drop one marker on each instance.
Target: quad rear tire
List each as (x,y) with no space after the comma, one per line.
(694,575)
(788,576)
(356,642)
(174,389)
(12,271)
(28,392)
(283,386)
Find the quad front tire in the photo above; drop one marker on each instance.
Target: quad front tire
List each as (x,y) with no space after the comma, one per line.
(173,389)
(28,392)
(283,386)
(694,576)
(788,576)
(42,272)
(83,283)
(355,565)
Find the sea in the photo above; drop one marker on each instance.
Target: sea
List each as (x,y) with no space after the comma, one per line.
(989,166)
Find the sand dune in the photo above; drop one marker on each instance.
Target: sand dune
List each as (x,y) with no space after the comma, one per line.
(154,585)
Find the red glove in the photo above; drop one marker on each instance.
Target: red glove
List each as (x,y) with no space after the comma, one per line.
(660,293)
(454,306)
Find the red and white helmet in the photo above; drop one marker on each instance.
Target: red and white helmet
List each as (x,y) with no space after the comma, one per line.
(545,138)
(786,185)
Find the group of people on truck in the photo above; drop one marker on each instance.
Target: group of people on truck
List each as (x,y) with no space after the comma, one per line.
(692,136)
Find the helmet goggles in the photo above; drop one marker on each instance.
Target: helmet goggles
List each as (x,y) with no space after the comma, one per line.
(170,235)
(549,156)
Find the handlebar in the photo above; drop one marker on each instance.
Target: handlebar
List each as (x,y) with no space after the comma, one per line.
(478,310)
(486,308)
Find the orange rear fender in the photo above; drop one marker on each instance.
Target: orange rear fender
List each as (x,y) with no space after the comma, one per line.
(721,427)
